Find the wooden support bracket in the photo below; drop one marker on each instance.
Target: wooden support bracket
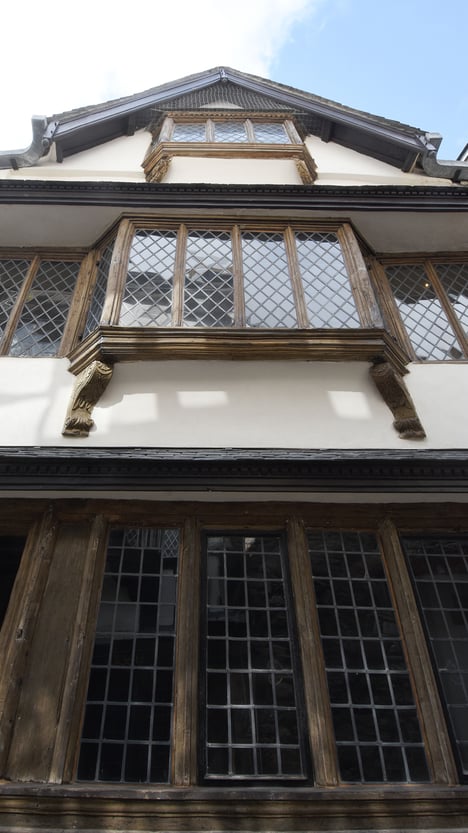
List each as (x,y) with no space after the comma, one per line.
(395,394)
(89,386)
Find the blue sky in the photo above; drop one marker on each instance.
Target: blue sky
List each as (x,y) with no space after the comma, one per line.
(402,59)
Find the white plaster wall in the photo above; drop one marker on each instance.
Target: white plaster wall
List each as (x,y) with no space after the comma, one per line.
(337,165)
(231,404)
(233,171)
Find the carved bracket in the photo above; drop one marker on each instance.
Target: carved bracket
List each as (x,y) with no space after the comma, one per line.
(395,394)
(89,386)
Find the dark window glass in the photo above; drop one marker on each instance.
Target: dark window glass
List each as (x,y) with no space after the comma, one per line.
(439,568)
(374,714)
(251,686)
(126,731)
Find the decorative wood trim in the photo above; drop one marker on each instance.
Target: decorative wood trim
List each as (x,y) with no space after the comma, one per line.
(130,344)
(395,394)
(317,699)
(437,743)
(157,161)
(117,273)
(89,386)
(185,735)
(361,286)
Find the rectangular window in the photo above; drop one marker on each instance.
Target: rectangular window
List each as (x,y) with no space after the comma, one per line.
(127,727)
(232,130)
(252,709)
(439,568)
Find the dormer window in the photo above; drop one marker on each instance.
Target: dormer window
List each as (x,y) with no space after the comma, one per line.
(234,130)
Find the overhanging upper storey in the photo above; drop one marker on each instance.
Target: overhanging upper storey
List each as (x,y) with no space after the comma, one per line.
(223,89)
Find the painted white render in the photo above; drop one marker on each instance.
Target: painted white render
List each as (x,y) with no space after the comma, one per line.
(212,404)
(233,171)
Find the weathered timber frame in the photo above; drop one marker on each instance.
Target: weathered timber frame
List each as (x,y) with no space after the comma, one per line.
(165,148)
(66,549)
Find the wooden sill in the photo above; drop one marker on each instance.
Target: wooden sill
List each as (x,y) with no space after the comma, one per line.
(111,344)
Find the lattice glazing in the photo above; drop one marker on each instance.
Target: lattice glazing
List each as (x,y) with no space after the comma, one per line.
(127,727)
(252,727)
(327,291)
(230,131)
(208,282)
(12,275)
(428,328)
(270,133)
(439,567)
(147,301)
(190,132)
(267,287)
(99,295)
(454,279)
(374,714)
(40,327)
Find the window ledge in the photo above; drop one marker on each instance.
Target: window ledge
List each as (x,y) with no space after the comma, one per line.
(157,161)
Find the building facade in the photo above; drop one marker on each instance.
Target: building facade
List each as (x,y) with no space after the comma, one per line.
(233,467)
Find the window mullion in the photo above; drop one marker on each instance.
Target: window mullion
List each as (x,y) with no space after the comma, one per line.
(166,130)
(250,131)
(296,281)
(117,273)
(437,743)
(185,735)
(390,308)
(361,286)
(79,306)
(210,130)
(18,306)
(239,300)
(447,306)
(293,135)
(179,270)
(317,701)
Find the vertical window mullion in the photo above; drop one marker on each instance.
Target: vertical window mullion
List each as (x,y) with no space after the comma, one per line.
(239,300)
(179,269)
(438,748)
(185,729)
(361,286)
(447,306)
(295,277)
(117,273)
(210,130)
(250,131)
(390,309)
(18,305)
(317,701)
(79,306)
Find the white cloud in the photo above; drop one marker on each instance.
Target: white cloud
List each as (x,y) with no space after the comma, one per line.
(60,56)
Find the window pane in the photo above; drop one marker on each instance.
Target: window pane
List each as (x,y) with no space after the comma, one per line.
(429,331)
(374,715)
(327,290)
(100,288)
(12,275)
(270,133)
(192,132)
(126,732)
(440,573)
(252,722)
(230,131)
(267,287)
(11,549)
(148,291)
(208,286)
(40,327)
(454,279)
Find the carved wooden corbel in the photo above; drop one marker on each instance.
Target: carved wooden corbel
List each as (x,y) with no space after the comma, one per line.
(156,166)
(307,173)
(90,384)
(395,394)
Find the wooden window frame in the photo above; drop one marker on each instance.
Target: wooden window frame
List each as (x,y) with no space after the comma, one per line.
(389,307)
(164,148)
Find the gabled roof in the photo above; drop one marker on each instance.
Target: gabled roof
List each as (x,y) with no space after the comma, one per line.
(390,141)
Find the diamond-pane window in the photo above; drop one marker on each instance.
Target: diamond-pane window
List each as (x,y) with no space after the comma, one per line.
(208,284)
(12,275)
(99,295)
(42,320)
(148,290)
(190,132)
(327,291)
(454,279)
(230,131)
(267,288)
(270,133)
(424,318)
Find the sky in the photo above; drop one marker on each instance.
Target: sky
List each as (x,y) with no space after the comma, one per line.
(402,59)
